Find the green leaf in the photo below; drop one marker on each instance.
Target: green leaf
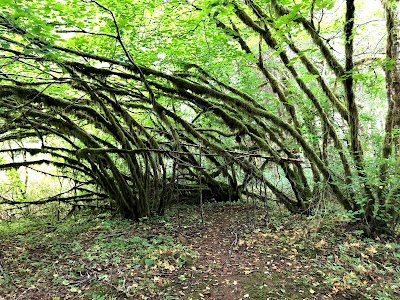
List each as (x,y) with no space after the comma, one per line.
(102,276)
(65,282)
(4,44)
(74,289)
(36,29)
(149,261)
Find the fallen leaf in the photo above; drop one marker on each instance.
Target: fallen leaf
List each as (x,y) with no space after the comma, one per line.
(321,244)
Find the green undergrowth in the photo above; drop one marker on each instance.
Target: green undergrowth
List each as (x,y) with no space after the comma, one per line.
(89,258)
(323,258)
(274,286)
(290,257)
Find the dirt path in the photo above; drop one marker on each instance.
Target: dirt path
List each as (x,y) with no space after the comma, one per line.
(227,257)
(237,261)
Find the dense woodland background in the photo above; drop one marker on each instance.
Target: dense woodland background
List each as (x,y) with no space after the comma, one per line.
(132,106)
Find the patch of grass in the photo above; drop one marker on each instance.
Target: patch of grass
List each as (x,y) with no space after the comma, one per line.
(261,286)
(330,259)
(93,259)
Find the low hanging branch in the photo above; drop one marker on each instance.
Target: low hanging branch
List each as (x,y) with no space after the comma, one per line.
(81,153)
(68,200)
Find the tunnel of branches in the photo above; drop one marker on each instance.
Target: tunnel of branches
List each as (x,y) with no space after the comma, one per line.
(119,133)
(136,139)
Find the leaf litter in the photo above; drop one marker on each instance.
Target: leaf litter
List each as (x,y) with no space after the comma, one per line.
(233,255)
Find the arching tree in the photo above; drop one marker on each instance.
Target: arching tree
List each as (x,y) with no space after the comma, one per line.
(231,88)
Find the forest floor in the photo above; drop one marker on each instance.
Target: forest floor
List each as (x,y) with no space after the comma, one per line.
(234,254)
